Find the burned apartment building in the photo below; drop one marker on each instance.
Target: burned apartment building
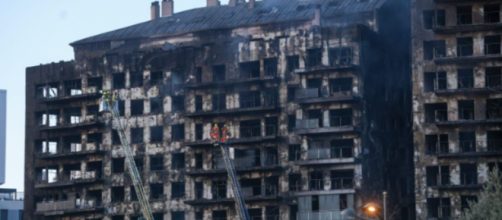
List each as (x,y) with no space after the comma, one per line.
(457,102)
(314,94)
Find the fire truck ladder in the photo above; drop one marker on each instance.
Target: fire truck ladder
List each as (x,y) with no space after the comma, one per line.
(108,104)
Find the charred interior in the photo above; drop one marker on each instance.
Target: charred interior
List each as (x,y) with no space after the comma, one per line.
(316,95)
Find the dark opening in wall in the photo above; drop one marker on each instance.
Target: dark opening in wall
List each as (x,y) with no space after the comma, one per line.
(344,201)
(49,90)
(156,191)
(199,132)
(72,144)
(493,77)
(314,57)
(315,203)
(434,18)
(178,103)
(136,79)
(434,49)
(492,13)
(466,109)
(270,66)
(434,81)
(292,63)
(137,107)
(251,187)
(492,44)
(136,135)
(198,103)
(340,117)
(467,141)
(97,167)
(199,215)
(293,211)
(73,87)
(219,73)
(178,132)
(494,108)
(271,126)
(134,196)
(199,190)
(436,144)
(198,160)
(157,105)
(250,128)
(117,194)
(220,214)
(139,163)
(198,75)
(121,107)
(219,102)
(342,179)
(316,180)
(468,174)
(494,141)
(73,115)
(272,213)
(157,163)
(249,70)
(95,84)
(464,14)
(118,80)
(465,46)
(156,77)
(219,189)
(436,112)
(115,138)
(466,200)
(341,85)
(439,208)
(255,213)
(295,182)
(118,217)
(342,148)
(177,190)
(177,80)
(178,215)
(250,99)
(317,115)
(93,110)
(156,134)
(340,56)
(95,138)
(291,122)
(437,175)
(291,93)
(117,165)
(178,161)
(271,185)
(270,97)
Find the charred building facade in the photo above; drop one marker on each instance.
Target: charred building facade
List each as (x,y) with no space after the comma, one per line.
(457,102)
(314,94)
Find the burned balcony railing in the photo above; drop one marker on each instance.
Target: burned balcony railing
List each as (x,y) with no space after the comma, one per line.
(342,183)
(315,95)
(487,25)
(75,177)
(74,122)
(68,206)
(316,184)
(329,155)
(269,103)
(312,126)
(320,215)
(74,150)
(494,81)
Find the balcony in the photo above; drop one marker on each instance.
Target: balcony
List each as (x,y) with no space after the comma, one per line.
(232,82)
(464,91)
(242,166)
(68,207)
(321,69)
(91,149)
(315,96)
(71,98)
(254,108)
(446,123)
(91,121)
(473,150)
(311,126)
(320,215)
(75,178)
(468,59)
(327,156)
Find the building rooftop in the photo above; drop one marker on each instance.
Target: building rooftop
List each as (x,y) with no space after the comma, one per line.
(227,17)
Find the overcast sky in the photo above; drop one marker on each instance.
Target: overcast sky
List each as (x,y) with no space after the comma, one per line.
(34,32)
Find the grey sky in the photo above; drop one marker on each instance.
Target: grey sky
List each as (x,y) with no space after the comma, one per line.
(34,32)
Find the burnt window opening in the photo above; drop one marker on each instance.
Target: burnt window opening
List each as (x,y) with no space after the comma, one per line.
(121,107)
(156,134)
(245,158)
(466,109)
(132,192)
(437,112)
(219,102)
(49,119)
(118,80)
(434,81)
(340,117)
(178,104)
(270,97)
(293,211)
(295,182)
(73,115)
(50,90)
(178,132)
(136,79)
(342,179)
(156,77)
(464,15)
(118,217)
(314,89)
(439,208)
(136,135)
(493,77)
(434,49)
(340,56)
(251,187)
(341,85)
(436,144)
(292,63)
(465,78)
(177,190)
(117,194)
(315,203)
(342,148)
(199,160)
(492,13)
(219,73)
(291,122)
(92,110)
(219,215)
(495,166)
(294,152)
(468,174)
(198,103)
(271,126)
(316,115)
(139,163)
(116,138)
(48,146)
(270,67)
(467,141)
(270,157)
(465,201)
(464,46)
(178,161)
(255,213)
(316,180)
(178,215)
(494,108)
(271,185)
(219,189)
(199,215)
(156,191)
(249,70)
(73,87)
(250,99)
(156,163)
(177,80)
(434,18)
(438,175)
(117,165)
(137,107)
(199,190)
(494,141)
(291,93)
(72,144)
(199,132)
(250,128)
(314,57)
(198,75)
(492,44)
(156,105)
(272,213)
(95,84)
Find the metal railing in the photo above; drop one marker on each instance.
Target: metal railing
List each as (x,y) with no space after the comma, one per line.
(308,123)
(342,183)
(319,153)
(13,196)
(321,215)
(468,178)
(339,121)
(316,184)
(250,131)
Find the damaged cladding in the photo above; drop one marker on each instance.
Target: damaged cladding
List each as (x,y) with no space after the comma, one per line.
(315,94)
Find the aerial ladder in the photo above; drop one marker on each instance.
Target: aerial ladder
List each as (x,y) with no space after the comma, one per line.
(109,103)
(220,138)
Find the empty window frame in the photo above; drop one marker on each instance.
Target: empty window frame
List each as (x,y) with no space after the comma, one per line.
(341,85)
(198,75)
(270,67)
(464,46)
(492,44)
(117,194)
(291,93)
(249,70)
(199,160)
(117,165)
(136,79)
(137,107)
(434,49)
(465,201)
(436,144)
(250,128)
(50,90)
(198,103)
(466,109)
(468,174)
(178,215)
(316,180)
(219,102)
(438,208)
(294,152)
(292,63)
(177,190)
(342,179)
(73,115)
(219,73)
(178,161)
(48,146)
(295,182)
(156,191)
(271,126)
(121,107)
(467,141)
(314,57)
(434,81)
(199,132)
(493,77)
(92,110)
(494,141)
(437,175)
(340,56)
(118,80)
(72,144)
(219,189)
(199,190)
(156,77)
(464,15)
(219,215)
(156,163)
(73,87)
(156,105)
(132,193)
(491,13)
(342,148)
(340,117)
(465,78)
(434,18)
(178,132)
(494,108)
(291,122)
(136,135)
(437,112)
(95,84)
(178,103)
(156,134)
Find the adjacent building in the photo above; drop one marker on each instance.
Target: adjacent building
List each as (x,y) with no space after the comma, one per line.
(11,204)
(3,132)
(315,94)
(457,96)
